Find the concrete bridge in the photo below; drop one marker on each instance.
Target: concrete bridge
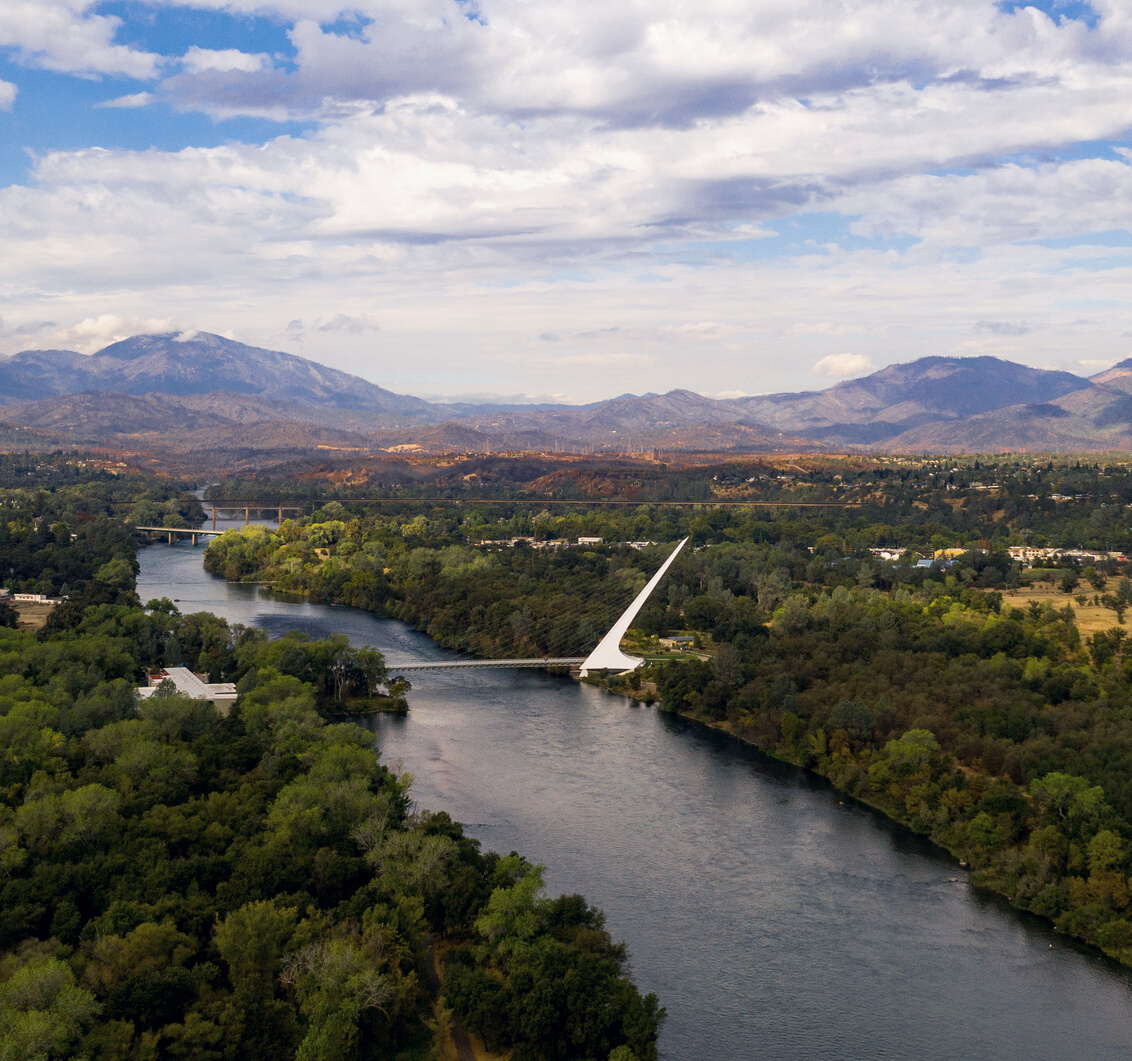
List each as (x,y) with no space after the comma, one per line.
(192,532)
(453,664)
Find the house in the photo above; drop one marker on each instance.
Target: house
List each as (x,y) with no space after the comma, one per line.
(590,541)
(887,554)
(679,641)
(222,694)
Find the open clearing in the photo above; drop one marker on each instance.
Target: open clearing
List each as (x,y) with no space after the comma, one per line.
(1091,618)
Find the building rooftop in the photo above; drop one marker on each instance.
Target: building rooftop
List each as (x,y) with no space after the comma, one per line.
(191,685)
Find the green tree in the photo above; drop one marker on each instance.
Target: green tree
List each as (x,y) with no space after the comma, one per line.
(42,1010)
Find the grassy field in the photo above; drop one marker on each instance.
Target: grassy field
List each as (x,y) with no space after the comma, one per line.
(1091,618)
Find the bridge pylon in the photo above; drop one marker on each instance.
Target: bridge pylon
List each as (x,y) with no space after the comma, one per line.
(608,654)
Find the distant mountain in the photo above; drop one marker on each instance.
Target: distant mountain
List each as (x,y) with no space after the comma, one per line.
(36,374)
(200,363)
(160,392)
(1119,377)
(1096,418)
(160,423)
(901,397)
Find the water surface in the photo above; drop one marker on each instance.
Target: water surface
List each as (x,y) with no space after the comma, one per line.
(772,920)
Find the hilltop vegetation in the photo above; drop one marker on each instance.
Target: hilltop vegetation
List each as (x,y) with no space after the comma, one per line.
(999,731)
(178,883)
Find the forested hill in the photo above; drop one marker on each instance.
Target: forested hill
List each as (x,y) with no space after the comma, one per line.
(984,705)
(178,883)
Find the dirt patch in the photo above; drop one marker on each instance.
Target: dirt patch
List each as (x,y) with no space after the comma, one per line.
(33,615)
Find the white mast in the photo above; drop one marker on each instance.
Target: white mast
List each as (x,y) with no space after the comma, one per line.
(608,654)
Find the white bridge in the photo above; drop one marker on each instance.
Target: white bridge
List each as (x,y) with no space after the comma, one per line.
(607,655)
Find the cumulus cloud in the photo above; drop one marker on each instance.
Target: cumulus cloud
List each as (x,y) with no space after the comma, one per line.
(7,95)
(66,35)
(533,184)
(131,102)
(93,333)
(667,62)
(839,365)
(198,60)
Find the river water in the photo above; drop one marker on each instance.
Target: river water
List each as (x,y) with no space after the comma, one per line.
(772,920)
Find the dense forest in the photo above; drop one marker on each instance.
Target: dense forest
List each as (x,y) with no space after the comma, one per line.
(176,882)
(997,729)
(70,534)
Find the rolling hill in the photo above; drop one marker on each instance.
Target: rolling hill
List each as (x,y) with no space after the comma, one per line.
(204,391)
(196,364)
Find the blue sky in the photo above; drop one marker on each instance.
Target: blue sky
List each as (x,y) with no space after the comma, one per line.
(733,196)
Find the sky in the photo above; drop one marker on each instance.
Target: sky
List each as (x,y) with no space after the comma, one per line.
(577,199)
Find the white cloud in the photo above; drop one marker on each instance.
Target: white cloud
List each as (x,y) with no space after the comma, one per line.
(7,95)
(93,333)
(613,177)
(1005,203)
(137,99)
(669,62)
(343,322)
(198,60)
(839,365)
(64,35)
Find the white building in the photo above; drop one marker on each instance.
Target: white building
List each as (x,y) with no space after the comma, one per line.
(887,554)
(222,694)
(1028,554)
(590,541)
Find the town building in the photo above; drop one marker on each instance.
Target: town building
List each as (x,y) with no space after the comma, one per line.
(1028,554)
(222,694)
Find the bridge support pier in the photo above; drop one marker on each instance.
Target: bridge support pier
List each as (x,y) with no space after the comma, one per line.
(170,537)
(214,517)
(247,516)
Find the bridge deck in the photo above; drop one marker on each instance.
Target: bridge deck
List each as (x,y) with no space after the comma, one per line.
(179,530)
(452,664)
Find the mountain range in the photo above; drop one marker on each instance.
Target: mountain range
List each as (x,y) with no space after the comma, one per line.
(201,391)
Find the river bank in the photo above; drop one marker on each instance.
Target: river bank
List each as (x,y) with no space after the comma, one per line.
(965,860)
(979,815)
(772,918)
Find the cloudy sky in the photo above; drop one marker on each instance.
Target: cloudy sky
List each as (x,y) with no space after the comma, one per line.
(576,198)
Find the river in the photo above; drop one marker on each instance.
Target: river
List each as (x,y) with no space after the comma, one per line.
(772,920)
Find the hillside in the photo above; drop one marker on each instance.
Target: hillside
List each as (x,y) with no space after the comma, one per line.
(901,397)
(202,391)
(197,364)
